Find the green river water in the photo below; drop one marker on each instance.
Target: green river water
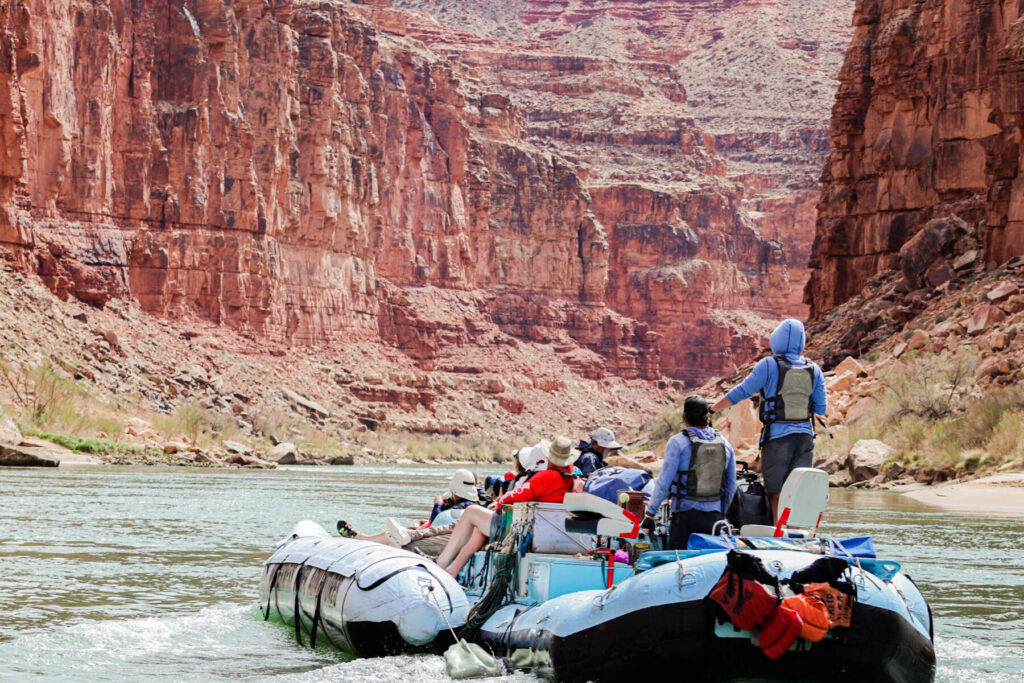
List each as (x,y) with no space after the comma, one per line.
(142,573)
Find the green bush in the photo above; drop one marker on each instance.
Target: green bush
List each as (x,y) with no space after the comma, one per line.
(88,445)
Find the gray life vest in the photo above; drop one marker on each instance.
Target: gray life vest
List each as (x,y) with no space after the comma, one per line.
(793,400)
(705,480)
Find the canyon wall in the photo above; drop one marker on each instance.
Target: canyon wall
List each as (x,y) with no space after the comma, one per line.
(286,169)
(305,173)
(927,127)
(671,93)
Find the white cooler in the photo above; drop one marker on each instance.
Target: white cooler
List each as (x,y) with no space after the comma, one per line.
(549,534)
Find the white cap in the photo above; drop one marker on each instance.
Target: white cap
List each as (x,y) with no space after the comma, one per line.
(463,485)
(535,458)
(605,438)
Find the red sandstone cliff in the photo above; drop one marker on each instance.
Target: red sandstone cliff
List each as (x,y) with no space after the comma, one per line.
(669,92)
(926,153)
(289,170)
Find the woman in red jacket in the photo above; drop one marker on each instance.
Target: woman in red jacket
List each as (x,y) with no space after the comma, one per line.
(474,526)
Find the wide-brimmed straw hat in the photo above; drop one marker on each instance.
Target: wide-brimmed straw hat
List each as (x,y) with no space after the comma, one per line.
(561,453)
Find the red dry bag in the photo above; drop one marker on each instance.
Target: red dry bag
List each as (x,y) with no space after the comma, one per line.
(781,631)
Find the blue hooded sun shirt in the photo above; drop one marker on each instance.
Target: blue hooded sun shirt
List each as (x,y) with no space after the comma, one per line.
(788,340)
(677,461)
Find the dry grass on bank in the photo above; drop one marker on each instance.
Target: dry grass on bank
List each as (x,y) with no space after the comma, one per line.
(47,401)
(46,398)
(934,415)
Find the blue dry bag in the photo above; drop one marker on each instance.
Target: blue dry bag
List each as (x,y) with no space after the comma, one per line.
(608,481)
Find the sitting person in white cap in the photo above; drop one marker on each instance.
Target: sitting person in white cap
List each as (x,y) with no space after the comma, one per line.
(602,442)
(547,485)
(462,493)
(526,460)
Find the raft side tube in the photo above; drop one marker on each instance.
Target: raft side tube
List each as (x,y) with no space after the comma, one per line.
(364,598)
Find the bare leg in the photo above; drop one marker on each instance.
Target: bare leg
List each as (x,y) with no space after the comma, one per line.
(376,538)
(773,498)
(460,535)
(474,518)
(476,542)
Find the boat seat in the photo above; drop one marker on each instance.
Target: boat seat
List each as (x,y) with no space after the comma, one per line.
(801,504)
(590,514)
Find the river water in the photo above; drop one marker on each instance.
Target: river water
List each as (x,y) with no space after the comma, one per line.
(124,573)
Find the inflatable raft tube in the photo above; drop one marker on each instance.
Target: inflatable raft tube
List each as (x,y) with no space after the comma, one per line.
(659,620)
(363,598)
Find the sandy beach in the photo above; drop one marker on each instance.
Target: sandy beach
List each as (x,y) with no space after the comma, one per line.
(999,494)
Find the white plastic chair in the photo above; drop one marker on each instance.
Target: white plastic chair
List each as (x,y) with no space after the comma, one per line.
(801,504)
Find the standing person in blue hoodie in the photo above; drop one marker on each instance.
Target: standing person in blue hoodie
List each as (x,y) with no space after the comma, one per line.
(792,391)
(699,474)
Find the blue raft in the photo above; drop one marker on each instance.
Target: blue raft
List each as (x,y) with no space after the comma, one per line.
(555,612)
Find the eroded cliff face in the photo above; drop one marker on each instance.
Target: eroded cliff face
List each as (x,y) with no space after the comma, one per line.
(305,174)
(286,169)
(926,133)
(672,93)
(709,231)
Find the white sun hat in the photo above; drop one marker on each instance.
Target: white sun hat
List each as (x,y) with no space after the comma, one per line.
(463,485)
(536,457)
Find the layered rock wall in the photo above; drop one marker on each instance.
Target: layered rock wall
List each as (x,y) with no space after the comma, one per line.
(927,125)
(286,169)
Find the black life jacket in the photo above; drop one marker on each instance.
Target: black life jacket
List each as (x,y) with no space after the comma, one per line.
(793,400)
(705,480)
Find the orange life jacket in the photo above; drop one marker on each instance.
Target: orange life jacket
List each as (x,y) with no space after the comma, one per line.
(813,614)
(838,603)
(746,602)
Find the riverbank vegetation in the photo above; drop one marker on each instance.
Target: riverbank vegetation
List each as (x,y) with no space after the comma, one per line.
(940,418)
(47,401)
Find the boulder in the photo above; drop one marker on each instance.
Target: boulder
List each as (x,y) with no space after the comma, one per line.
(207,459)
(235,447)
(919,339)
(1002,291)
(304,402)
(985,318)
(899,350)
(343,460)
(965,259)
(830,465)
(111,337)
(645,457)
(867,458)
(172,447)
(742,428)
(843,382)
(992,367)
(997,341)
(851,364)
(840,479)
(9,432)
(285,449)
(859,409)
(936,238)
(628,462)
(16,455)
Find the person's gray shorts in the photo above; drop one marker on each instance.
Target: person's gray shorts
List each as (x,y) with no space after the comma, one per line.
(783,455)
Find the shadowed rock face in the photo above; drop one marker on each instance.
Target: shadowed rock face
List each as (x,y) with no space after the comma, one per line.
(290,170)
(926,125)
